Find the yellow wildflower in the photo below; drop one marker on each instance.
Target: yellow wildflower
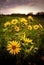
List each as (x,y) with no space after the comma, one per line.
(28,40)
(24,34)
(14,21)
(28,50)
(24,21)
(29,27)
(16,28)
(36,48)
(7,24)
(31,48)
(36,27)
(30,18)
(40,26)
(13,47)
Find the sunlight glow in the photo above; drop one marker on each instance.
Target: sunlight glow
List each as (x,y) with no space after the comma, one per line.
(21,9)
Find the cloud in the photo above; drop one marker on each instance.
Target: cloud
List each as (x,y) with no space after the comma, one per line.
(32,4)
(11,3)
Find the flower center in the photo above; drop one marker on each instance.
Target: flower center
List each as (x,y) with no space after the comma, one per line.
(14,21)
(36,27)
(13,47)
(16,28)
(29,27)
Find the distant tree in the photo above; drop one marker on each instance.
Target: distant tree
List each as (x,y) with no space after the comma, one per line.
(40,13)
(31,13)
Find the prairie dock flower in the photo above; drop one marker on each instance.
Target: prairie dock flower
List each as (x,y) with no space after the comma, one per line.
(31,48)
(24,34)
(36,48)
(13,47)
(14,21)
(24,21)
(36,27)
(30,18)
(40,26)
(29,27)
(28,40)
(16,28)
(6,24)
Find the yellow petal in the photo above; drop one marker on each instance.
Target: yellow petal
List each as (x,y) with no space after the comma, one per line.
(8,48)
(11,51)
(14,52)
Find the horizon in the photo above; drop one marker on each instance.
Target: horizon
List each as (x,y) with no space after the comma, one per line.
(30,13)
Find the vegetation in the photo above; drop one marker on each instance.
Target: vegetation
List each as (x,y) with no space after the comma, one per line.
(21,36)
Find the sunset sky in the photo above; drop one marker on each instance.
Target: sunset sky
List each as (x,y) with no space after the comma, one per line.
(21,6)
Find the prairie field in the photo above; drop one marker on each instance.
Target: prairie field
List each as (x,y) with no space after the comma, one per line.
(22,39)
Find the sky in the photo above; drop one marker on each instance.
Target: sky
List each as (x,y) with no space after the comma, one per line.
(21,6)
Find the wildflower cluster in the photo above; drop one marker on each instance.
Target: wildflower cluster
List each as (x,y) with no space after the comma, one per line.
(22,35)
